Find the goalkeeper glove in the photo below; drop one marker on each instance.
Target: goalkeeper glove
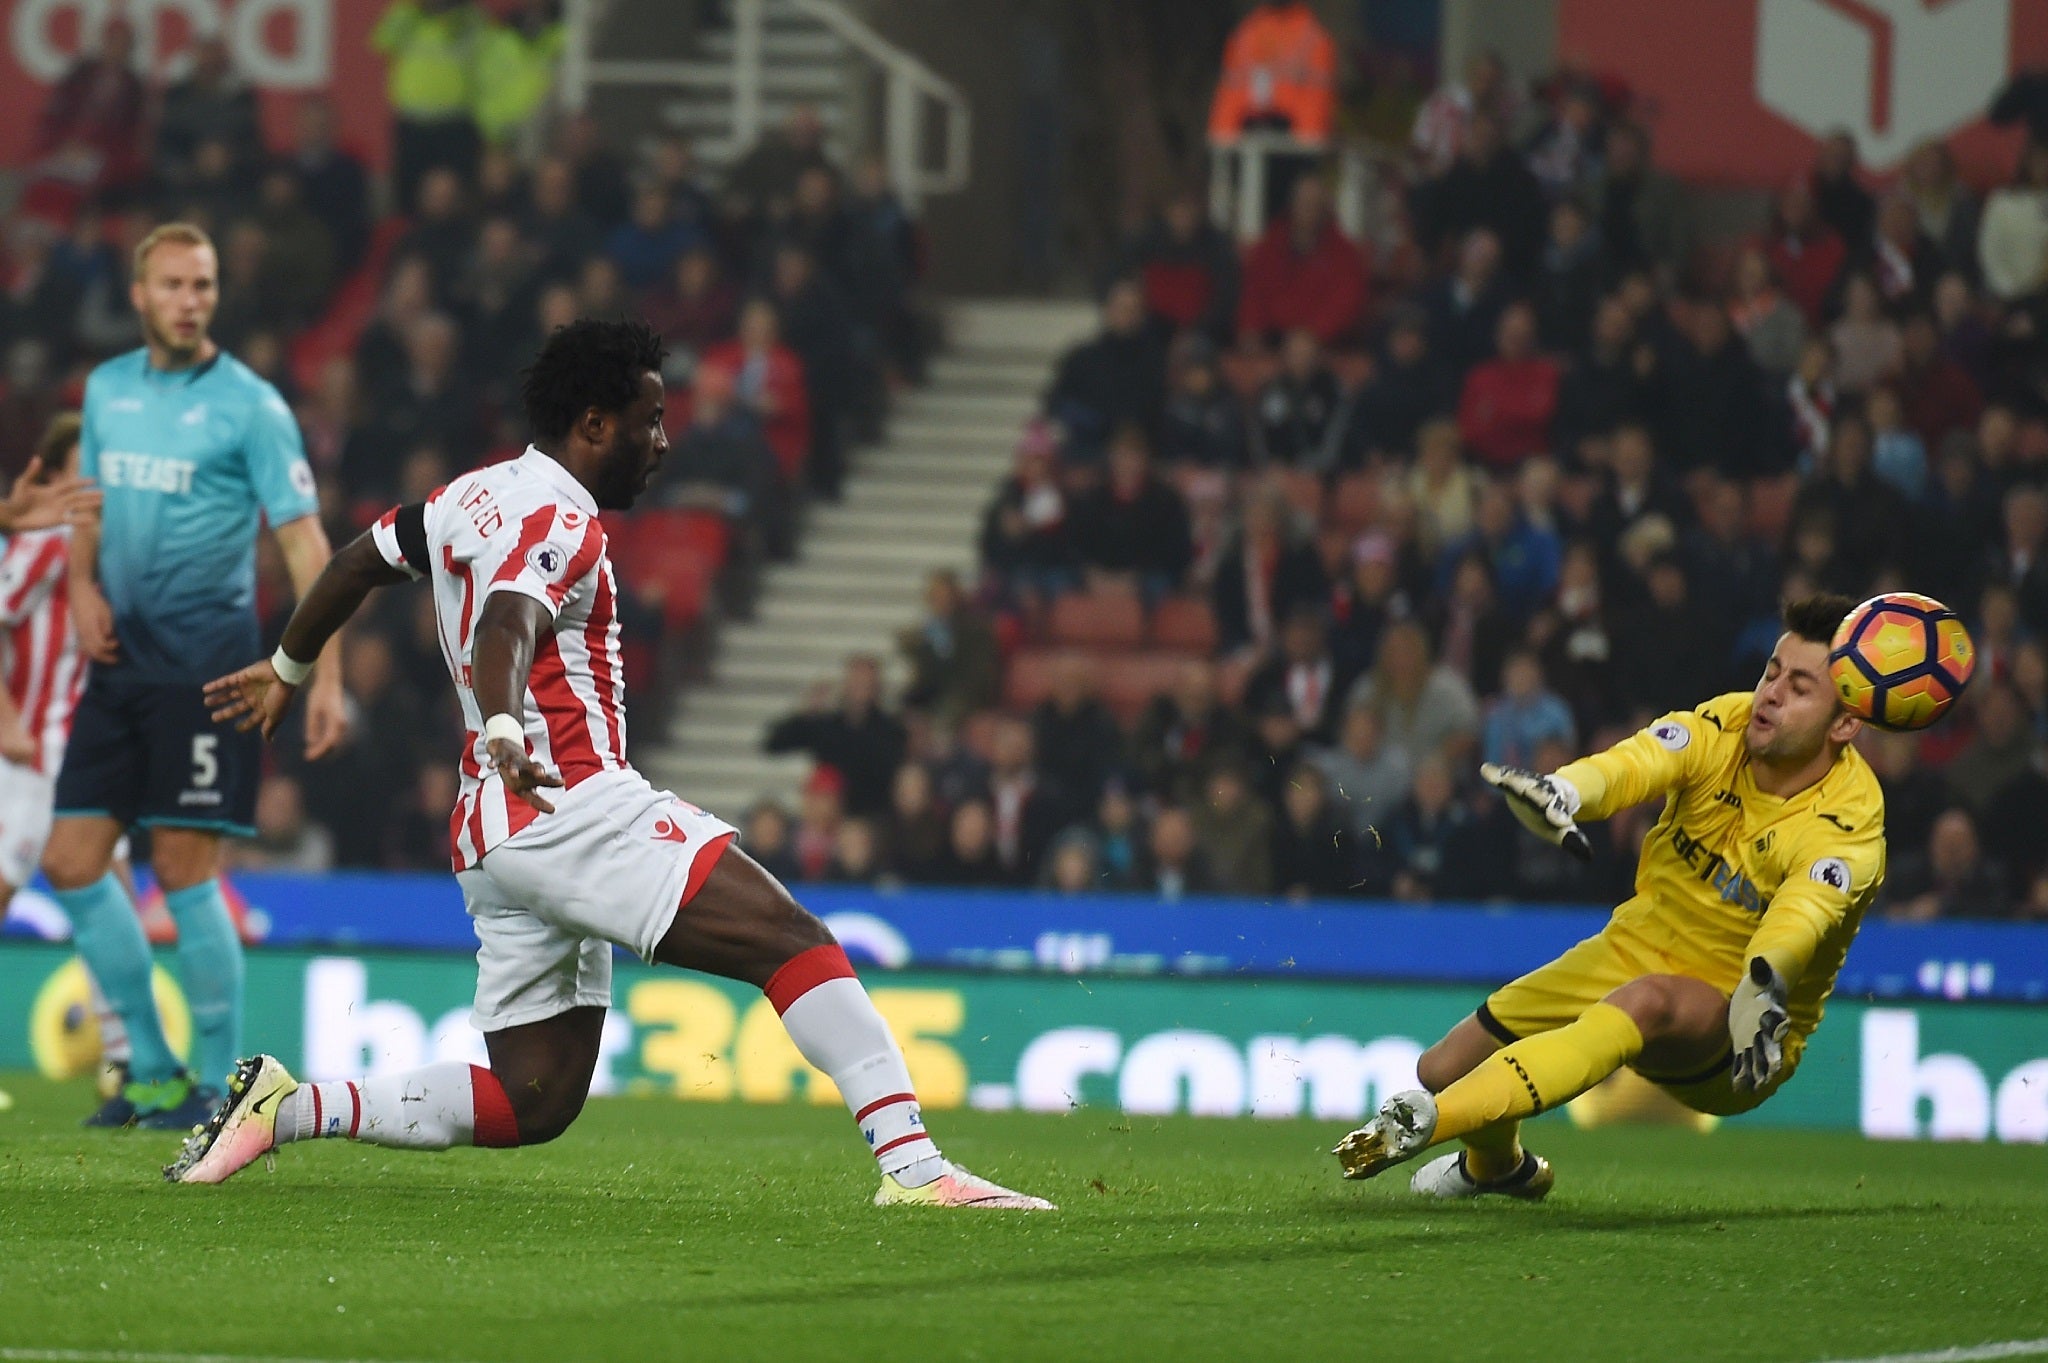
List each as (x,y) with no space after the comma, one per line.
(1757,1022)
(1544,804)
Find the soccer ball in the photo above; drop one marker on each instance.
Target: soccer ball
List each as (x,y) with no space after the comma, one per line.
(1900,660)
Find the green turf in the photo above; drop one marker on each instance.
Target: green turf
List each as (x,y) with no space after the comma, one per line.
(658,1230)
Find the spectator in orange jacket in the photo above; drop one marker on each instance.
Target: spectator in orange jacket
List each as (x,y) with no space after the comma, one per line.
(1510,400)
(1279,73)
(1304,273)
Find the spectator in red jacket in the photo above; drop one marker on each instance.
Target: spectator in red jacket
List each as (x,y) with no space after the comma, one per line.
(89,137)
(696,307)
(768,380)
(1939,395)
(1509,400)
(1304,272)
(1188,268)
(1806,253)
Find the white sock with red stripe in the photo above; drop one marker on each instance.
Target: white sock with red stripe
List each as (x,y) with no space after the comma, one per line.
(431,1108)
(835,1025)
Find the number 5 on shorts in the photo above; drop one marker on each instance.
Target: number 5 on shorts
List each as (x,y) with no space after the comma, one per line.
(205,764)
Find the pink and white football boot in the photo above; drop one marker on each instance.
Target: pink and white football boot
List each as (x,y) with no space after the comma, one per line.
(241,1130)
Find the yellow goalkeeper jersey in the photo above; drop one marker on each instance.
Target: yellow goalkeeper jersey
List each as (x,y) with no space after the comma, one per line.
(1730,872)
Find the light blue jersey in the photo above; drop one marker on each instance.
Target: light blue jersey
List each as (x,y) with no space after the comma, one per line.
(187,460)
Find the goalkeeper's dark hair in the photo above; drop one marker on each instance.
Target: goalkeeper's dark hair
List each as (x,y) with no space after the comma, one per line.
(588,363)
(1816,618)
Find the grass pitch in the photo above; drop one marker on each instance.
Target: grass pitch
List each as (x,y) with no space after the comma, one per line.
(664,1230)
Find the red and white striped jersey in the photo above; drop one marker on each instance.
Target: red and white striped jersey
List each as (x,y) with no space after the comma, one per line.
(523,526)
(44,669)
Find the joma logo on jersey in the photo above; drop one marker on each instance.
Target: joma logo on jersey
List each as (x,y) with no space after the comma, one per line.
(146,472)
(1733,886)
(1729,798)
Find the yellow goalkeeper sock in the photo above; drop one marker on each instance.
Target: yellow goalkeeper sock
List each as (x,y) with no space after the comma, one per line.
(1539,1072)
(1494,1151)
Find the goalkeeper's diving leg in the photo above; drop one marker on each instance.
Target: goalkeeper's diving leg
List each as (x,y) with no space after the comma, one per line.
(1478,1092)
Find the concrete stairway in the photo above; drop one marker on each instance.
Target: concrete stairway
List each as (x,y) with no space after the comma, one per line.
(913,504)
(804,63)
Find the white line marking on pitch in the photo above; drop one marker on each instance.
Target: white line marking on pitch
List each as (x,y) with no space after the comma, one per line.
(1971,1353)
(121,1355)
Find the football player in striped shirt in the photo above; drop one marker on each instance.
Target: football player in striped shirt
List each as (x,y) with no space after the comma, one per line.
(562,849)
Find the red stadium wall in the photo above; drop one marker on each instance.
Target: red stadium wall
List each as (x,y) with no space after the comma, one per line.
(1738,92)
(286,48)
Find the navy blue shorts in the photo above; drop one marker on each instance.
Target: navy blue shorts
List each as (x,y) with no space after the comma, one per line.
(147,753)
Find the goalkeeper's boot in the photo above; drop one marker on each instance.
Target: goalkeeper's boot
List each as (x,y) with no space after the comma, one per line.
(176,1104)
(118,1109)
(241,1131)
(1449,1178)
(1403,1129)
(958,1188)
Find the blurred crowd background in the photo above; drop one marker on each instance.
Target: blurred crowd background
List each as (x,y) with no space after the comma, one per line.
(1309,529)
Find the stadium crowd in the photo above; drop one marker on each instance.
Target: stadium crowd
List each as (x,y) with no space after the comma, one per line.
(1309,530)
(1305,532)
(395,319)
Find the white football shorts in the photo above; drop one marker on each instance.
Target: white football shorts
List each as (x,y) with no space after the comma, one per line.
(26,798)
(612,864)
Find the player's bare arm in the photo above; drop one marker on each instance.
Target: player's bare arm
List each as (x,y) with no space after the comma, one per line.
(306,553)
(505,637)
(256,696)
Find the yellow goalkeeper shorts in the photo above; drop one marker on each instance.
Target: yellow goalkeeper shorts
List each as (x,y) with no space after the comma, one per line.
(1553,995)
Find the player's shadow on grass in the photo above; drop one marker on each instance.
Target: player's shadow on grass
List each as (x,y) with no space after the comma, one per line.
(1497,1218)
(1375,1233)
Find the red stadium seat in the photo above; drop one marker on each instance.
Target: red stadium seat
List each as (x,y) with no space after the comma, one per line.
(1098,620)
(671,557)
(1029,678)
(1131,680)
(707,532)
(1184,622)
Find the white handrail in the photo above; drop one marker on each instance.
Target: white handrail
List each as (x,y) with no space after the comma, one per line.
(907,85)
(1237,201)
(908,82)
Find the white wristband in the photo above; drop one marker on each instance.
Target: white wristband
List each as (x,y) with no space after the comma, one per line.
(505,727)
(289,670)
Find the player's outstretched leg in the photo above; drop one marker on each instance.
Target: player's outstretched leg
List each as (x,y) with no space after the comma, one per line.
(744,925)
(1533,1074)
(1684,1018)
(539,1076)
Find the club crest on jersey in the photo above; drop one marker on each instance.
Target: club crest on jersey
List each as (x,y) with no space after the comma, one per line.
(1671,734)
(548,560)
(1832,872)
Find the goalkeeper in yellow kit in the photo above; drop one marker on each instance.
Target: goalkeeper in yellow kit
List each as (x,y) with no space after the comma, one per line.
(1709,980)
